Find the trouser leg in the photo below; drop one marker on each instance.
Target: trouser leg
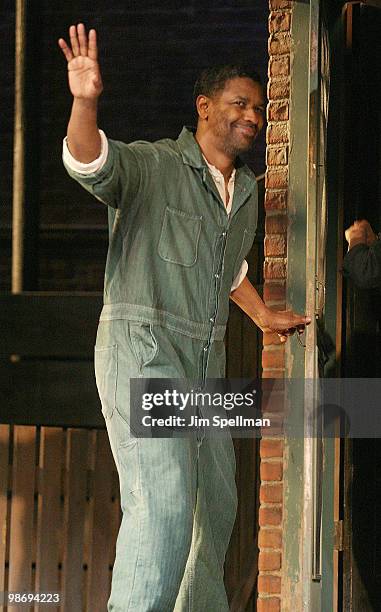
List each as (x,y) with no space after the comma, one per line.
(158,494)
(202,587)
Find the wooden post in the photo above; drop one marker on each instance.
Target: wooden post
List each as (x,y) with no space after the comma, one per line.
(18,153)
(25,169)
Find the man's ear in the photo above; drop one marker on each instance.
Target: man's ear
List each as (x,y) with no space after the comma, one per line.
(202,105)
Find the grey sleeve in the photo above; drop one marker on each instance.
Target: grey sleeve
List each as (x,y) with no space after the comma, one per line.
(363,265)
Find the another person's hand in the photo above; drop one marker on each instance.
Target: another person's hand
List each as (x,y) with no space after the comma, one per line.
(85,79)
(282,322)
(360,233)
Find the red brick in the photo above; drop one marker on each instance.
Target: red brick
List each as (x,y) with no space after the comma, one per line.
(276,224)
(270,339)
(273,373)
(278,111)
(271,470)
(275,428)
(275,200)
(277,156)
(276,178)
(279,22)
(269,561)
(273,386)
(280,4)
(274,292)
(268,604)
(279,65)
(270,538)
(274,402)
(279,43)
(269,584)
(278,89)
(271,517)
(271,448)
(273,358)
(271,493)
(277,133)
(275,245)
(275,269)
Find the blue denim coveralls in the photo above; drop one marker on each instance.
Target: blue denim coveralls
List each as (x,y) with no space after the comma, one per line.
(173,255)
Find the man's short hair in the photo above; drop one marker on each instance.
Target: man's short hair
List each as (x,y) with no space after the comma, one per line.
(212,80)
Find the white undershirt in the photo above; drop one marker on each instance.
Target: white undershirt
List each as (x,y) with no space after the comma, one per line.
(218,178)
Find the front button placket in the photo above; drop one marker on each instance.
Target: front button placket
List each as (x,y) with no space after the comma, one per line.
(216,291)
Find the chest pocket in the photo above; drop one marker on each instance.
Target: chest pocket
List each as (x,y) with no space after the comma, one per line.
(179,237)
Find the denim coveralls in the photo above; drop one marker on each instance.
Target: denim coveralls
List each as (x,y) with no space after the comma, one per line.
(173,255)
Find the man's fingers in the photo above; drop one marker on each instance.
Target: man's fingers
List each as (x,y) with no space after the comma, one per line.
(65,49)
(82,38)
(74,40)
(93,48)
(300,321)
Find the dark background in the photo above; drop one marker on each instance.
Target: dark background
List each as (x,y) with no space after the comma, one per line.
(150,56)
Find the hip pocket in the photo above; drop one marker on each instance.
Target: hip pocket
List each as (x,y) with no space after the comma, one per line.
(143,343)
(106,375)
(179,237)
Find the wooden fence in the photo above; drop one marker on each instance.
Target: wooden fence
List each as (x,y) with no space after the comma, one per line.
(59,514)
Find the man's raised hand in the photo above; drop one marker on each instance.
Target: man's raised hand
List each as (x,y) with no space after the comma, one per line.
(85,79)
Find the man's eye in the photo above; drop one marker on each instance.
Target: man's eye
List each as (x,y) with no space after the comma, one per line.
(240,103)
(260,110)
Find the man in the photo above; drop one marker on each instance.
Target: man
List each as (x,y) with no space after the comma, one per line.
(183,216)
(362,262)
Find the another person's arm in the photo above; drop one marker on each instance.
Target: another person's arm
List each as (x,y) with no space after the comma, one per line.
(362,263)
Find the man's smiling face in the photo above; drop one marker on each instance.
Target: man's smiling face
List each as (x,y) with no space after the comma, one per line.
(236,115)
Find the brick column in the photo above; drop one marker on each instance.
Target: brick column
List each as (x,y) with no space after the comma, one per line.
(273,356)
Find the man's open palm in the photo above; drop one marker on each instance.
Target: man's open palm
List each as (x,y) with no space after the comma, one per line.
(85,79)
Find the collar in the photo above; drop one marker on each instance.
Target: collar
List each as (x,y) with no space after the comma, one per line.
(216,173)
(192,154)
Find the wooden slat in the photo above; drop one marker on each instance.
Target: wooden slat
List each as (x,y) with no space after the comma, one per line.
(4,475)
(49,325)
(22,509)
(56,393)
(74,518)
(102,544)
(49,519)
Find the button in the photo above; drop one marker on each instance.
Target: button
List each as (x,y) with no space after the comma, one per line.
(205,348)
(224,233)
(211,319)
(217,275)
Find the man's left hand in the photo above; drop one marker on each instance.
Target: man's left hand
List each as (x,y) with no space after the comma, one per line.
(282,322)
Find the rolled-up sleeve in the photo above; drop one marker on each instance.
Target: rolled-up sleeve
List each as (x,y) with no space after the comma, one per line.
(80,167)
(240,276)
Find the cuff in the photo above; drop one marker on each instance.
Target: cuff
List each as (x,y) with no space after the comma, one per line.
(93,166)
(240,276)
